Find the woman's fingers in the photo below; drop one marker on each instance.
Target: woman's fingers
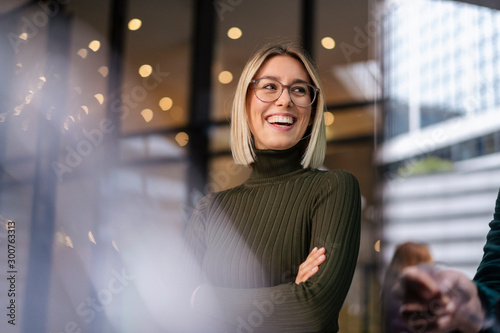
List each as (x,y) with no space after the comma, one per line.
(311,265)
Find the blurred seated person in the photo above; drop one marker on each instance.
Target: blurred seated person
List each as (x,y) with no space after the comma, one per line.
(439,300)
(406,254)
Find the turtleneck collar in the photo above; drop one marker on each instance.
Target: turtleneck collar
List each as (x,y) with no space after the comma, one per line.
(276,164)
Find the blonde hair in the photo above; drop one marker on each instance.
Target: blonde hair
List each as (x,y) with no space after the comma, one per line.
(241,137)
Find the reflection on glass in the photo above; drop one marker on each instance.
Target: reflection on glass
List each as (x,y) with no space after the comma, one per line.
(147,114)
(91,237)
(82,53)
(103,70)
(100,98)
(95,45)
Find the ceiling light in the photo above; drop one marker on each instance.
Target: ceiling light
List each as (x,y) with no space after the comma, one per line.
(234,33)
(225,77)
(145,70)
(134,24)
(166,103)
(328,43)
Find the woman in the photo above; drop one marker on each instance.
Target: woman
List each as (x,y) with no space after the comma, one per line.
(278,252)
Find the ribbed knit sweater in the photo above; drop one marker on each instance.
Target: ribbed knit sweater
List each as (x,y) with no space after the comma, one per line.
(251,239)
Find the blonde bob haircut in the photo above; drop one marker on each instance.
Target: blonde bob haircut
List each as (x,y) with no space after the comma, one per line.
(242,145)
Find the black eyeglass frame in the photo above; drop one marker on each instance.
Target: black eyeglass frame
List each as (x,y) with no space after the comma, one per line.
(289,87)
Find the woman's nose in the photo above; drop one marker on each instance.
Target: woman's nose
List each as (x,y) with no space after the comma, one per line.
(285,98)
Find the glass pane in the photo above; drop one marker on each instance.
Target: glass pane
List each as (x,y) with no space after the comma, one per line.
(159,97)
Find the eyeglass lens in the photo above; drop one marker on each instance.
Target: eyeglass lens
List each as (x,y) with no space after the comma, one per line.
(269,90)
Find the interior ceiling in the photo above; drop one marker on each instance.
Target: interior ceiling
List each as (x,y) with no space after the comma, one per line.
(167,27)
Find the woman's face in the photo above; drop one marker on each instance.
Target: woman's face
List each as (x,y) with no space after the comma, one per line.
(280,124)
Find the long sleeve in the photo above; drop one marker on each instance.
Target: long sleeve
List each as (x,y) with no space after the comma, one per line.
(487,277)
(333,211)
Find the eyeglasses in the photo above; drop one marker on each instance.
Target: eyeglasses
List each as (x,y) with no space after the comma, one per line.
(269,90)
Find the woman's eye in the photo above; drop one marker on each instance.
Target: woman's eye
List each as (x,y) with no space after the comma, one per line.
(269,86)
(299,90)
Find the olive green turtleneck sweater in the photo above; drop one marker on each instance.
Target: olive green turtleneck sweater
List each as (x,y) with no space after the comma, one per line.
(251,239)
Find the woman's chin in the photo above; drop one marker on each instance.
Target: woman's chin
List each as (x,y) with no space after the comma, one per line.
(279,145)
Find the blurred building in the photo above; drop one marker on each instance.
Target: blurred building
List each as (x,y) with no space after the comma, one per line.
(440,150)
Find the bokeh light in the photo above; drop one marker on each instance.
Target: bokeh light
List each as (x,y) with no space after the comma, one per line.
(328,43)
(225,77)
(182,138)
(166,103)
(95,45)
(329,118)
(82,53)
(234,33)
(134,24)
(145,70)
(103,70)
(100,98)
(91,237)
(147,114)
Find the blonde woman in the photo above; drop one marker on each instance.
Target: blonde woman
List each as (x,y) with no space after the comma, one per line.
(278,252)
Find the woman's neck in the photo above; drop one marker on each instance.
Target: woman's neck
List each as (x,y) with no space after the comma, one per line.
(271,163)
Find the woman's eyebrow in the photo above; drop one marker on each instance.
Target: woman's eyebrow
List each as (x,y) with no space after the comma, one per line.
(275,78)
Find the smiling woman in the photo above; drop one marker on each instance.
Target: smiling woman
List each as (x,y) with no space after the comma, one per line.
(278,252)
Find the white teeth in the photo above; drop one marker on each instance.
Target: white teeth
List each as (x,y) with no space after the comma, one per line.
(280,119)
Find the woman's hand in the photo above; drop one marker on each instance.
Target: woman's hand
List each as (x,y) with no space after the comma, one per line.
(309,267)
